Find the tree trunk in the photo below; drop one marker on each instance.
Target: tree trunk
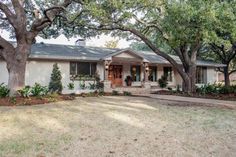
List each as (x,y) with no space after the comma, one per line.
(226,76)
(16,65)
(189,83)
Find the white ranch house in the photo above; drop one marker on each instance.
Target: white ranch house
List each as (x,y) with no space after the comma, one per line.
(112,66)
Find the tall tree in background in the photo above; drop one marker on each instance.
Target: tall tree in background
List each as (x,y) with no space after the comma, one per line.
(139,46)
(223,38)
(26,19)
(111,44)
(181,25)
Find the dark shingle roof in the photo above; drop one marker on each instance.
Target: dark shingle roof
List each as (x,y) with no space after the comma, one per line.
(53,51)
(67,52)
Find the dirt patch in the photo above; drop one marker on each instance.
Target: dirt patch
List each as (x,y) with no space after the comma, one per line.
(229,97)
(19,101)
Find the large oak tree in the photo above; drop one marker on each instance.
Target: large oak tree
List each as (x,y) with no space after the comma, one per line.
(223,38)
(26,19)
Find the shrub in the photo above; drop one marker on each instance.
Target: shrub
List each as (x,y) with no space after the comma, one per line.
(82,85)
(178,88)
(92,86)
(227,90)
(71,86)
(125,93)
(38,90)
(99,84)
(216,89)
(13,100)
(55,84)
(101,93)
(169,88)
(163,81)
(4,91)
(114,92)
(128,80)
(25,92)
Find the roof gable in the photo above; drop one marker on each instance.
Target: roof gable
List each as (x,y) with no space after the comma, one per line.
(125,54)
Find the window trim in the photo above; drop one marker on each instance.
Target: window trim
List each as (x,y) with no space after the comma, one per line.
(203,72)
(77,76)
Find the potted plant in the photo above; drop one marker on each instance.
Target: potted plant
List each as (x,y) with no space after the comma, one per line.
(128,80)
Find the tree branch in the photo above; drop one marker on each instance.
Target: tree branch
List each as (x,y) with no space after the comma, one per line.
(5,46)
(18,7)
(146,41)
(9,15)
(50,13)
(232,71)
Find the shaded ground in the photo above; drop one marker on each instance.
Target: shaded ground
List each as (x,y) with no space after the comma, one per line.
(117,126)
(229,97)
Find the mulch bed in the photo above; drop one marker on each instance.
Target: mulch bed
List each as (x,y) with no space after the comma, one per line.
(230,97)
(19,101)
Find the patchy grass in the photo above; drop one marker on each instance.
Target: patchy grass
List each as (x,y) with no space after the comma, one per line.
(116,126)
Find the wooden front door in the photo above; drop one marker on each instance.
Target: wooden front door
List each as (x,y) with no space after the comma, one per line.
(115,75)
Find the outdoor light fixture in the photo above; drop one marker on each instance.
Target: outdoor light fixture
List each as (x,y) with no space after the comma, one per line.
(147,68)
(106,66)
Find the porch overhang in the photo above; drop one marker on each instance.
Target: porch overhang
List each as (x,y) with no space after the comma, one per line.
(126,55)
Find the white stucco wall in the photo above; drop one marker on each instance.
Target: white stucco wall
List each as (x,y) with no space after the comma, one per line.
(40,72)
(3,72)
(211,75)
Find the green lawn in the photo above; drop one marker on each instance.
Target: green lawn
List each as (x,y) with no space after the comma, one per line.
(116,126)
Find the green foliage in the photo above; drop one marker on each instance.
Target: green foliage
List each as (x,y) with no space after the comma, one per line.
(4,91)
(99,84)
(216,89)
(82,85)
(13,100)
(163,81)
(125,93)
(92,86)
(25,92)
(178,88)
(55,84)
(71,86)
(38,90)
(101,93)
(170,89)
(138,46)
(111,44)
(114,92)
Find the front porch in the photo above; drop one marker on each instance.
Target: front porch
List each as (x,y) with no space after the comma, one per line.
(126,64)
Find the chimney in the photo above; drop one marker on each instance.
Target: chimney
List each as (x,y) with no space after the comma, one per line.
(80,42)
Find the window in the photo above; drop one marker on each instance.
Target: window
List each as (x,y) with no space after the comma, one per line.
(201,75)
(168,73)
(135,72)
(83,68)
(152,73)
(73,67)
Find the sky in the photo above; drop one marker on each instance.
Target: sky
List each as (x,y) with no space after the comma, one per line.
(96,41)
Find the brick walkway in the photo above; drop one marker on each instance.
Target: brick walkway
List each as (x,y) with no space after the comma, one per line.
(231,104)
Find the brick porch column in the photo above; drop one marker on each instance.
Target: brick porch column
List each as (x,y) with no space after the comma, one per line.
(106,67)
(107,83)
(146,83)
(146,70)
